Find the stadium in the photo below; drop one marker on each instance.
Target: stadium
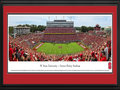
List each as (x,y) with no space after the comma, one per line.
(60,42)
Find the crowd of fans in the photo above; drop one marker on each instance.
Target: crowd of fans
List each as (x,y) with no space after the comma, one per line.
(59,30)
(62,38)
(20,49)
(60,35)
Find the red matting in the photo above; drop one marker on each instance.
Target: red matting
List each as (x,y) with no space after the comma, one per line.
(60,78)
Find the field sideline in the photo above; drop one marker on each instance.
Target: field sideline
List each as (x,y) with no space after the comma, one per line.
(60,49)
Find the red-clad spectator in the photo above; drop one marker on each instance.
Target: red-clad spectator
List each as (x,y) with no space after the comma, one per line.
(97,56)
(103,57)
(81,58)
(93,56)
(10,53)
(22,52)
(70,58)
(15,58)
(31,57)
(101,53)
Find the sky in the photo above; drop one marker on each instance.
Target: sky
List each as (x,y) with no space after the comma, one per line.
(79,19)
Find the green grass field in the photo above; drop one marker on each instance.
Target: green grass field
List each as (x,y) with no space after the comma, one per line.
(60,49)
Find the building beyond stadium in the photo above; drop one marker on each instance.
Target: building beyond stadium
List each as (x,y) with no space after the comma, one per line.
(21,30)
(60,31)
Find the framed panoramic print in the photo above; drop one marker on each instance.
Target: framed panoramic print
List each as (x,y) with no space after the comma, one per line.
(60,43)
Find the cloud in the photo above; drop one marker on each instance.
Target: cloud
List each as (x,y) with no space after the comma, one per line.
(79,20)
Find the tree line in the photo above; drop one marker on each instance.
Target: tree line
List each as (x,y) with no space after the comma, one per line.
(85,28)
(34,28)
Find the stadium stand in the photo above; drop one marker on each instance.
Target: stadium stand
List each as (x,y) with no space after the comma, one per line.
(20,50)
(58,33)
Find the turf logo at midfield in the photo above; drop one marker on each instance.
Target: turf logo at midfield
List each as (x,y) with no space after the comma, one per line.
(60,47)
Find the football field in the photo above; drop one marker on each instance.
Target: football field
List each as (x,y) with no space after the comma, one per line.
(60,49)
